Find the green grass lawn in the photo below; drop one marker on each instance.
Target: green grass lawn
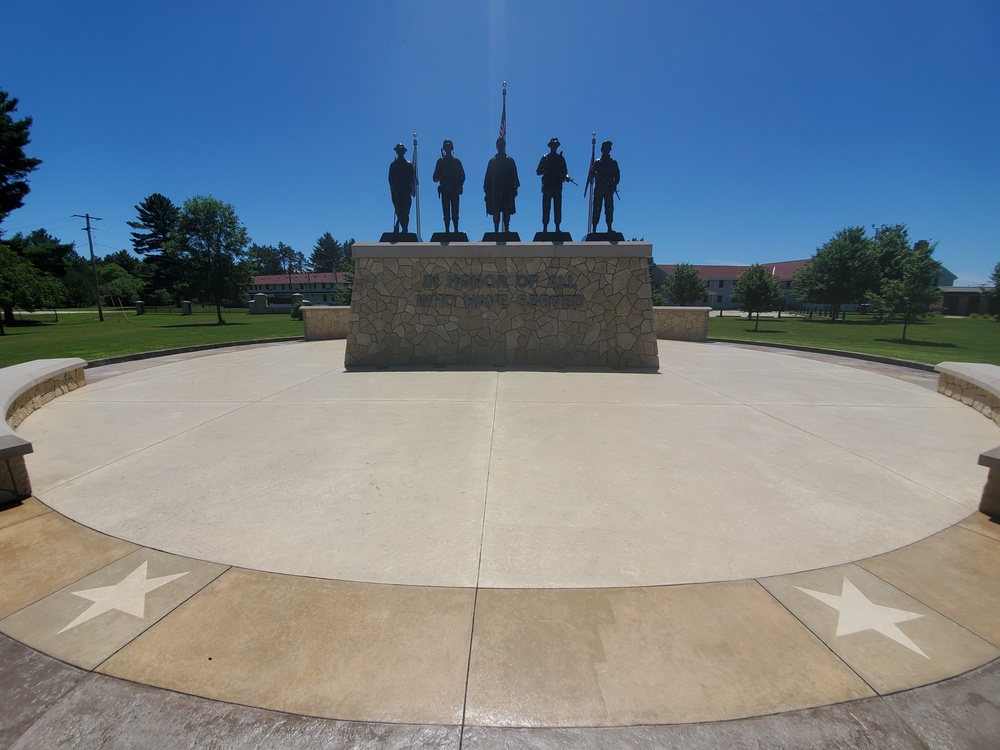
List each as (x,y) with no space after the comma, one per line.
(83,335)
(933,340)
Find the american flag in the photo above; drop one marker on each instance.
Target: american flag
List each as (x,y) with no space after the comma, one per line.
(503,114)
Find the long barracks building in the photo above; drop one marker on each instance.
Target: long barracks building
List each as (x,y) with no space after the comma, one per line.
(721,279)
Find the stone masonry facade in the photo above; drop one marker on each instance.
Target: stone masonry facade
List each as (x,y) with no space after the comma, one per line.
(41,394)
(323,322)
(682,323)
(14,480)
(970,394)
(579,304)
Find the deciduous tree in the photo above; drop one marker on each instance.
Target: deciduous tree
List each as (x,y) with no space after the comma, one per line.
(118,285)
(44,252)
(757,291)
(685,286)
(910,296)
(992,292)
(840,272)
(24,286)
(211,242)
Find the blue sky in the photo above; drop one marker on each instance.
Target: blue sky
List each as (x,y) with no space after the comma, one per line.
(745,131)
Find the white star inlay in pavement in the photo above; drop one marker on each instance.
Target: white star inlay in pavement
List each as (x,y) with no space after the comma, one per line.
(129,596)
(858,613)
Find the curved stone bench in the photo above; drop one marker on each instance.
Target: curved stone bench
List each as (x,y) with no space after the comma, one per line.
(978,385)
(24,388)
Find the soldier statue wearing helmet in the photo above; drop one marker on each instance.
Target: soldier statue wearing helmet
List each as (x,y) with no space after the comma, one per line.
(552,167)
(401,187)
(605,176)
(450,176)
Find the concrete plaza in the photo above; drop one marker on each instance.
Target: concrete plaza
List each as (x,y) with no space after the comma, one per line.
(257,548)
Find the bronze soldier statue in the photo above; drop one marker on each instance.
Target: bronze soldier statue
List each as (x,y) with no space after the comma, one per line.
(606,176)
(450,176)
(401,187)
(500,186)
(552,167)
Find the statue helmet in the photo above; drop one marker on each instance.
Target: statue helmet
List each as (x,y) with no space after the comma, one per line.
(554,142)
(606,146)
(447,144)
(399,148)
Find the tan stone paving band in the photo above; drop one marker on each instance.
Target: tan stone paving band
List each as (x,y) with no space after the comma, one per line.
(537,657)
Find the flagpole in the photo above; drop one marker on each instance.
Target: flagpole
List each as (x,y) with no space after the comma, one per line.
(590,177)
(416,186)
(503,114)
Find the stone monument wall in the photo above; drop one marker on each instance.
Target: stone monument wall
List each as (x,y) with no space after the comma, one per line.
(582,304)
(682,323)
(325,322)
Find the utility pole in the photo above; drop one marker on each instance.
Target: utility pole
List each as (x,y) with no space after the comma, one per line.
(93,263)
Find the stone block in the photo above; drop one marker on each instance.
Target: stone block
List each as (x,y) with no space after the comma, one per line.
(537,304)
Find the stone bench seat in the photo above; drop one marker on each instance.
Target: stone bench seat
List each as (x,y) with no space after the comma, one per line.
(24,388)
(978,385)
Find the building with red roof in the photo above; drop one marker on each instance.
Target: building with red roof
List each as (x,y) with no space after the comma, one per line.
(721,279)
(315,287)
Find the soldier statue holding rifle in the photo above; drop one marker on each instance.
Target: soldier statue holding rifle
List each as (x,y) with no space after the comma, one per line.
(552,167)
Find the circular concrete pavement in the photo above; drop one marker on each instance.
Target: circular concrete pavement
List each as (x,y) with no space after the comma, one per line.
(742,533)
(727,464)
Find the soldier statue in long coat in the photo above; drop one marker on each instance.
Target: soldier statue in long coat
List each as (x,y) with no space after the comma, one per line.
(500,186)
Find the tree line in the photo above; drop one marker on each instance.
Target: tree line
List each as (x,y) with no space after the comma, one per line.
(199,251)
(893,277)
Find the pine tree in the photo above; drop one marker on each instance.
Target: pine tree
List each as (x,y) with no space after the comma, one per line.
(14,165)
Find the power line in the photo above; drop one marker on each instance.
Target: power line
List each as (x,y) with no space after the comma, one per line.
(47,224)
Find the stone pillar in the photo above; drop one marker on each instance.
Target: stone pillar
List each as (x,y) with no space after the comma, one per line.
(185,308)
(140,307)
(14,482)
(258,305)
(990,501)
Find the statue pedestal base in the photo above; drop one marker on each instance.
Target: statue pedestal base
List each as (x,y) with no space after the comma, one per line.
(395,237)
(501,237)
(605,237)
(553,237)
(583,304)
(449,237)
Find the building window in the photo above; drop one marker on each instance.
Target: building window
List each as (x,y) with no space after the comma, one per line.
(722,284)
